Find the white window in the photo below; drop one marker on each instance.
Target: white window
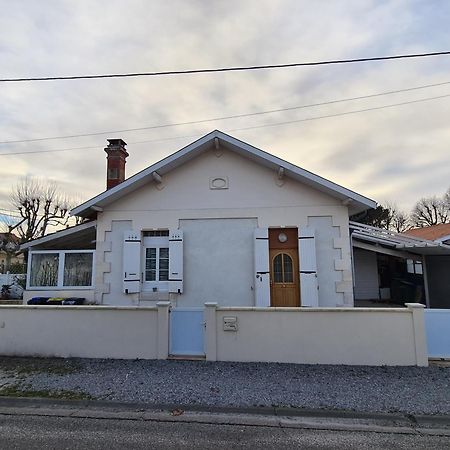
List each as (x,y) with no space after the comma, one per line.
(156,260)
(418,269)
(48,269)
(410,265)
(157,264)
(413,266)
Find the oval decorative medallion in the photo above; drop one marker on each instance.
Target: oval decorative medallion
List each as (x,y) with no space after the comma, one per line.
(218,183)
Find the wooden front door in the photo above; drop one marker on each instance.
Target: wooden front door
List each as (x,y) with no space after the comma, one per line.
(284,277)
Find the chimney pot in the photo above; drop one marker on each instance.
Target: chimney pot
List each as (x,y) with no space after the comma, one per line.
(116,160)
(116,143)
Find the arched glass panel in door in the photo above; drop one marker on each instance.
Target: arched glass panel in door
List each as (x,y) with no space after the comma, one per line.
(283,268)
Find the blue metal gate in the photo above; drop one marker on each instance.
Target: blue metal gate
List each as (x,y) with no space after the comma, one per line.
(187,332)
(437,329)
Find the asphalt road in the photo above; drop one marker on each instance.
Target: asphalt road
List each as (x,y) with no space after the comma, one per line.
(40,432)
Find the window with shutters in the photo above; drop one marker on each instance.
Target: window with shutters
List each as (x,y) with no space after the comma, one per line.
(157,264)
(156,261)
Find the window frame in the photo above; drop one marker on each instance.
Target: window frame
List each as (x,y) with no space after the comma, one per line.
(156,242)
(157,268)
(283,271)
(61,264)
(412,266)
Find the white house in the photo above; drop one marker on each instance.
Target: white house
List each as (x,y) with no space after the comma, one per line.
(218,221)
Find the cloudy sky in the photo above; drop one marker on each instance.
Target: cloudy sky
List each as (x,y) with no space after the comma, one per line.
(395,154)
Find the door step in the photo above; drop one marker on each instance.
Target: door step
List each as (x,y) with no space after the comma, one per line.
(187,357)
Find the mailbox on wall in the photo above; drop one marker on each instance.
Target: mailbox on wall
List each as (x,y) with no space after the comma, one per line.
(230,324)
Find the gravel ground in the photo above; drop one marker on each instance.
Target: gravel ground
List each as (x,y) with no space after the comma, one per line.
(411,390)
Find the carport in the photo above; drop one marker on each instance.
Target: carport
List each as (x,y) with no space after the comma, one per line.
(390,267)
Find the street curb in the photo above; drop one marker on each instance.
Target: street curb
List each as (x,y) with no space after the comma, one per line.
(255,410)
(284,417)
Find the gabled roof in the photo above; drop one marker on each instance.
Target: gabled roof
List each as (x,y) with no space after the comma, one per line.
(356,202)
(439,232)
(399,241)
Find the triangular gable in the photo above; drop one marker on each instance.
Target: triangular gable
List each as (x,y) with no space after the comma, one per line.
(356,202)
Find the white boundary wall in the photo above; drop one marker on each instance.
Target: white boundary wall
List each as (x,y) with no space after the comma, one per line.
(359,336)
(84,331)
(353,336)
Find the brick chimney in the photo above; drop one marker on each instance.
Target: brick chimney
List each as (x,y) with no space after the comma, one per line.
(116,160)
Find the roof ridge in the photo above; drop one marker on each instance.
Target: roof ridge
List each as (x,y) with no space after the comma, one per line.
(179,157)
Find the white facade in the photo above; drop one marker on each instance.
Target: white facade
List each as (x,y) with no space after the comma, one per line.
(195,228)
(218,226)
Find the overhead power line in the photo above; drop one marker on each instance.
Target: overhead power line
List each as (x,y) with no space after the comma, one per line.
(51,151)
(225,69)
(254,127)
(345,113)
(235,116)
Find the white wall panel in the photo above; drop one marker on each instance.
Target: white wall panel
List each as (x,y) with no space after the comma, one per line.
(218,262)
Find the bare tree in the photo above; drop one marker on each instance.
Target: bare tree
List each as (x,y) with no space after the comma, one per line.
(430,211)
(38,207)
(447,198)
(387,216)
(398,220)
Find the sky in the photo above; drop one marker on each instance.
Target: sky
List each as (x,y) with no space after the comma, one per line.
(396,154)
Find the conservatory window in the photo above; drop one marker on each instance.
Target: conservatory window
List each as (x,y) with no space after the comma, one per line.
(78,269)
(61,269)
(44,269)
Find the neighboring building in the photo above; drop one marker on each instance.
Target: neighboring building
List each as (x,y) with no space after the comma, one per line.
(438,233)
(438,266)
(219,220)
(8,259)
(397,268)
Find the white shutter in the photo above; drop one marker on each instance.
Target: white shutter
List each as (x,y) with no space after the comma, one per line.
(262,275)
(176,261)
(131,261)
(308,267)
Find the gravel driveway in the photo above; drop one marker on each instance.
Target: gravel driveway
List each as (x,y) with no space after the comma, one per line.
(411,390)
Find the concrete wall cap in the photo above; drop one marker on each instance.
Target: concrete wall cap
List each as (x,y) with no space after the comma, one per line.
(414,305)
(312,310)
(164,303)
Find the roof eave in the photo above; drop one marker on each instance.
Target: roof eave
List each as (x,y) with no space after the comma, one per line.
(58,235)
